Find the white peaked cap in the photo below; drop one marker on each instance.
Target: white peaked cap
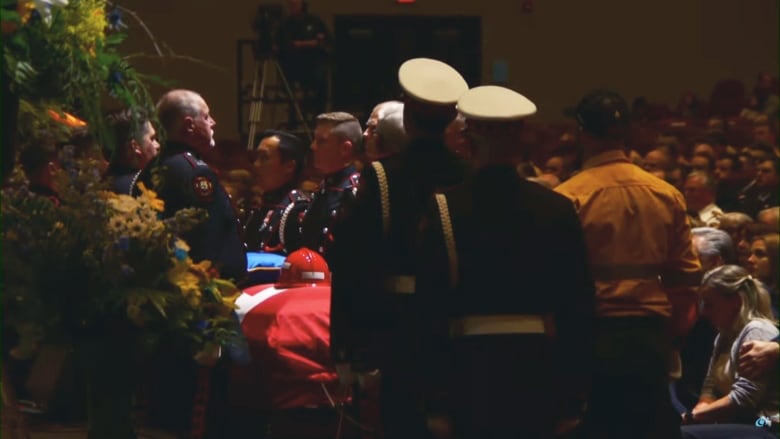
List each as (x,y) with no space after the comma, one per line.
(431,81)
(494,103)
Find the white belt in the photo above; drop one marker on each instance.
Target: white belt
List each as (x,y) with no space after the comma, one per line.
(497,325)
(400,284)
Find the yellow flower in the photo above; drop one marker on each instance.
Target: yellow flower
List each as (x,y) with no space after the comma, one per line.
(123,203)
(149,197)
(202,268)
(181,244)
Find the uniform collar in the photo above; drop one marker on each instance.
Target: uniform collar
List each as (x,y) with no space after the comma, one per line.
(275,196)
(336,179)
(173,147)
(613,155)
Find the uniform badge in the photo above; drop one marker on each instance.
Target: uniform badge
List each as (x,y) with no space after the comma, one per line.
(203,187)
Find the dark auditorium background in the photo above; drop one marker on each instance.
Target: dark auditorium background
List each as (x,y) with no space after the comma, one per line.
(550,50)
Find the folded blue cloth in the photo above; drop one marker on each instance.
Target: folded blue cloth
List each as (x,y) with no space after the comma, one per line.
(265,260)
(263,268)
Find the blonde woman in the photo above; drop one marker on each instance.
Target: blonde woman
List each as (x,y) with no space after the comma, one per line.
(739,307)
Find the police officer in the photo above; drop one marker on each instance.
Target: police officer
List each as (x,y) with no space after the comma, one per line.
(374,263)
(337,140)
(185,180)
(645,270)
(504,280)
(136,145)
(279,164)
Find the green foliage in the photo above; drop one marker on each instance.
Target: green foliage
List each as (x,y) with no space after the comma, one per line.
(72,63)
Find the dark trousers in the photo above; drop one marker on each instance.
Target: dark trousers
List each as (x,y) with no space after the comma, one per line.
(630,394)
(401,404)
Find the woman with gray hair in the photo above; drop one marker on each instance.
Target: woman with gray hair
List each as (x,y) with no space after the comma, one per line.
(739,308)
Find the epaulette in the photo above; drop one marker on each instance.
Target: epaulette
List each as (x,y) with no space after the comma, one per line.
(190,159)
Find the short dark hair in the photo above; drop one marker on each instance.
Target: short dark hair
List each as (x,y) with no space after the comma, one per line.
(291,147)
(604,114)
(736,164)
(346,126)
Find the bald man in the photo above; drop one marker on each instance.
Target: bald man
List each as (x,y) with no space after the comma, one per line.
(189,182)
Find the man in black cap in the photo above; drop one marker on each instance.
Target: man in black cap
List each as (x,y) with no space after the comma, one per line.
(374,264)
(646,275)
(506,285)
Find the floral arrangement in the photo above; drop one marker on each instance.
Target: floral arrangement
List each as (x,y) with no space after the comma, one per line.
(63,55)
(101,264)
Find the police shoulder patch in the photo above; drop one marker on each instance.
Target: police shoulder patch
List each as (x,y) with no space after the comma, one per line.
(203,187)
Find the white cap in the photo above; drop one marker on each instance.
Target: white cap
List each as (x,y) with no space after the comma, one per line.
(431,81)
(494,103)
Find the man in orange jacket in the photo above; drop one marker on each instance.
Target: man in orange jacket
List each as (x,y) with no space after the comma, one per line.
(646,274)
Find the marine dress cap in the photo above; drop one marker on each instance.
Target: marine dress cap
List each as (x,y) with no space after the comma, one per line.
(494,103)
(431,81)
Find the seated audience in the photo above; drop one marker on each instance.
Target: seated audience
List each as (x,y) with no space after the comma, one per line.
(739,308)
(736,225)
(763,262)
(770,218)
(699,192)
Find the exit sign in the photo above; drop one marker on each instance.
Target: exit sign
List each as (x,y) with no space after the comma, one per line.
(405,2)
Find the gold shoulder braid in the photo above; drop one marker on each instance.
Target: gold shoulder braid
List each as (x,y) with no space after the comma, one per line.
(449,237)
(384,193)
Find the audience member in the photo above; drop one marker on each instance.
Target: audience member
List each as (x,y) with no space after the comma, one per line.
(739,308)
(763,266)
(699,191)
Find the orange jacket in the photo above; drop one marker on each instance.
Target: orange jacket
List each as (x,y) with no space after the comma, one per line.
(638,239)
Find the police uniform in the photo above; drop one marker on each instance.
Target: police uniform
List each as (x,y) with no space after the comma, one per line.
(374,262)
(187,181)
(121,178)
(646,275)
(504,282)
(182,180)
(266,228)
(316,225)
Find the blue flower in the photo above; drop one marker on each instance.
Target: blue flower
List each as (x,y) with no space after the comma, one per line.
(114,19)
(123,243)
(179,253)
(203,325)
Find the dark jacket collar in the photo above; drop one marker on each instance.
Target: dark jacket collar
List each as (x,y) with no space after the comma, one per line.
(173,147)
(337,178)
(276,196)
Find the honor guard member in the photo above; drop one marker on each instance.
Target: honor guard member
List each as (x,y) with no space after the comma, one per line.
(504,280)
(279,164)
(337,139)
(374,264)
(645,270)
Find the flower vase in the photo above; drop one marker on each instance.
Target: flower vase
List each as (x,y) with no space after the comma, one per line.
(110,385)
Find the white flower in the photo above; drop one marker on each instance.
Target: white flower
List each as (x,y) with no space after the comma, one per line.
(44,8)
